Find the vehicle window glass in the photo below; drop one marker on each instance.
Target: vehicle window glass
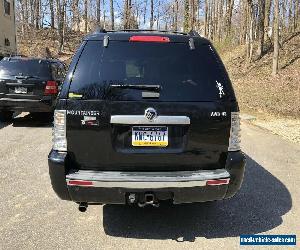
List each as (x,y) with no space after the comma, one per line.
(24,67)
(184,74)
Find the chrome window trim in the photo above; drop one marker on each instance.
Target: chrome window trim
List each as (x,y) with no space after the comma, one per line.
(141,119)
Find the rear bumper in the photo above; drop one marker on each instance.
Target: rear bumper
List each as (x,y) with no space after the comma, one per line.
(113,187)
(27,105)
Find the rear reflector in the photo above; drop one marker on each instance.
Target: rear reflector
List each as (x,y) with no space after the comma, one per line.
(80,183)
(157,39)
(51,88)
(217,182)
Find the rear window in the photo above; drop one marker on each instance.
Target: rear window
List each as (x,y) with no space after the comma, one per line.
(183,74)
(24,67)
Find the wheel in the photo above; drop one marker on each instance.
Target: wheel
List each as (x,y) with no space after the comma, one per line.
(6,116)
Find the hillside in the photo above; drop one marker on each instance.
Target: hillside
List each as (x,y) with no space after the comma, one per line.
(257,91)
(273,101)
(36,41)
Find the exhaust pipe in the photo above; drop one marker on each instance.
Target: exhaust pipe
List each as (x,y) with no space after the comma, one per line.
(83,207)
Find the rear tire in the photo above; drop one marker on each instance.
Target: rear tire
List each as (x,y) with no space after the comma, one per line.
(6,116)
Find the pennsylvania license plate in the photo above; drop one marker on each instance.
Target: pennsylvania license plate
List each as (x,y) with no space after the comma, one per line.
(20,90)
(150,136)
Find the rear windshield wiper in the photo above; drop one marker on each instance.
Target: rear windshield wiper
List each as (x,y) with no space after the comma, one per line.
(133,86)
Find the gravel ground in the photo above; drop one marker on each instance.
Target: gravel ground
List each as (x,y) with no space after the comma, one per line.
(32,217)
(287,128)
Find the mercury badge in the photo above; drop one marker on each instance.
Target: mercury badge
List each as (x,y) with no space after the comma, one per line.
(150,114)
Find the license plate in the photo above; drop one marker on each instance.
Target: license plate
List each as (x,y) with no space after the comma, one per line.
(20,90)
(150,136)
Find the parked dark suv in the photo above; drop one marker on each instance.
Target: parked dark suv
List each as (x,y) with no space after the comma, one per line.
(144,117)
(29,85)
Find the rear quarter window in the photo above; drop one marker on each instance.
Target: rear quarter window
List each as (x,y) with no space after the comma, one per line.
(184,74)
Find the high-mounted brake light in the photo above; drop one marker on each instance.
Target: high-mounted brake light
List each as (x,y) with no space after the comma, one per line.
(157,39)
(51,88)
(217,182)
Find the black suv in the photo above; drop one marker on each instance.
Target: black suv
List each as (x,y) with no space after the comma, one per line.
(29,85)
(144,117)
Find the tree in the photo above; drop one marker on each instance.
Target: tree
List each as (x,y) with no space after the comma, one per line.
(37,13)
(268,4)
(98,10)
(176,15)
(192,14)
(61,7)
(261,28)
(276,38)
(145,11)
(126,14)
(206,18)
(229,8)
(186,16)
(85,16)
(220,19)
(75,14)
(104,15)
(158,17)
(250,30)
(52,17)
(112,15)
(23,25)
(151,14)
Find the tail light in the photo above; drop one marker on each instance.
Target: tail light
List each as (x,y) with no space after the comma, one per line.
(235,132)
(59,131)
(80,183)
(158,39)
(217,182)
(51,88)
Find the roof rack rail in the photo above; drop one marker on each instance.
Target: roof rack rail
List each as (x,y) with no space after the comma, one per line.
(145,30)
(194,33)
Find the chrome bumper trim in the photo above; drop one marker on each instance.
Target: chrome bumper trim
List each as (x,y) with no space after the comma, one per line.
(142,180)
(141,119)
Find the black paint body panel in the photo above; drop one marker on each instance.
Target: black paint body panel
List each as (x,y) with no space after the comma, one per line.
(203,144)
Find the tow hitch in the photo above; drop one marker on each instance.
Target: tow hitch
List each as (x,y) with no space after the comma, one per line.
(143,199)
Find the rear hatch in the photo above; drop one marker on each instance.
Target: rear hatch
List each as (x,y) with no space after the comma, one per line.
(116,90)
(23,78)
